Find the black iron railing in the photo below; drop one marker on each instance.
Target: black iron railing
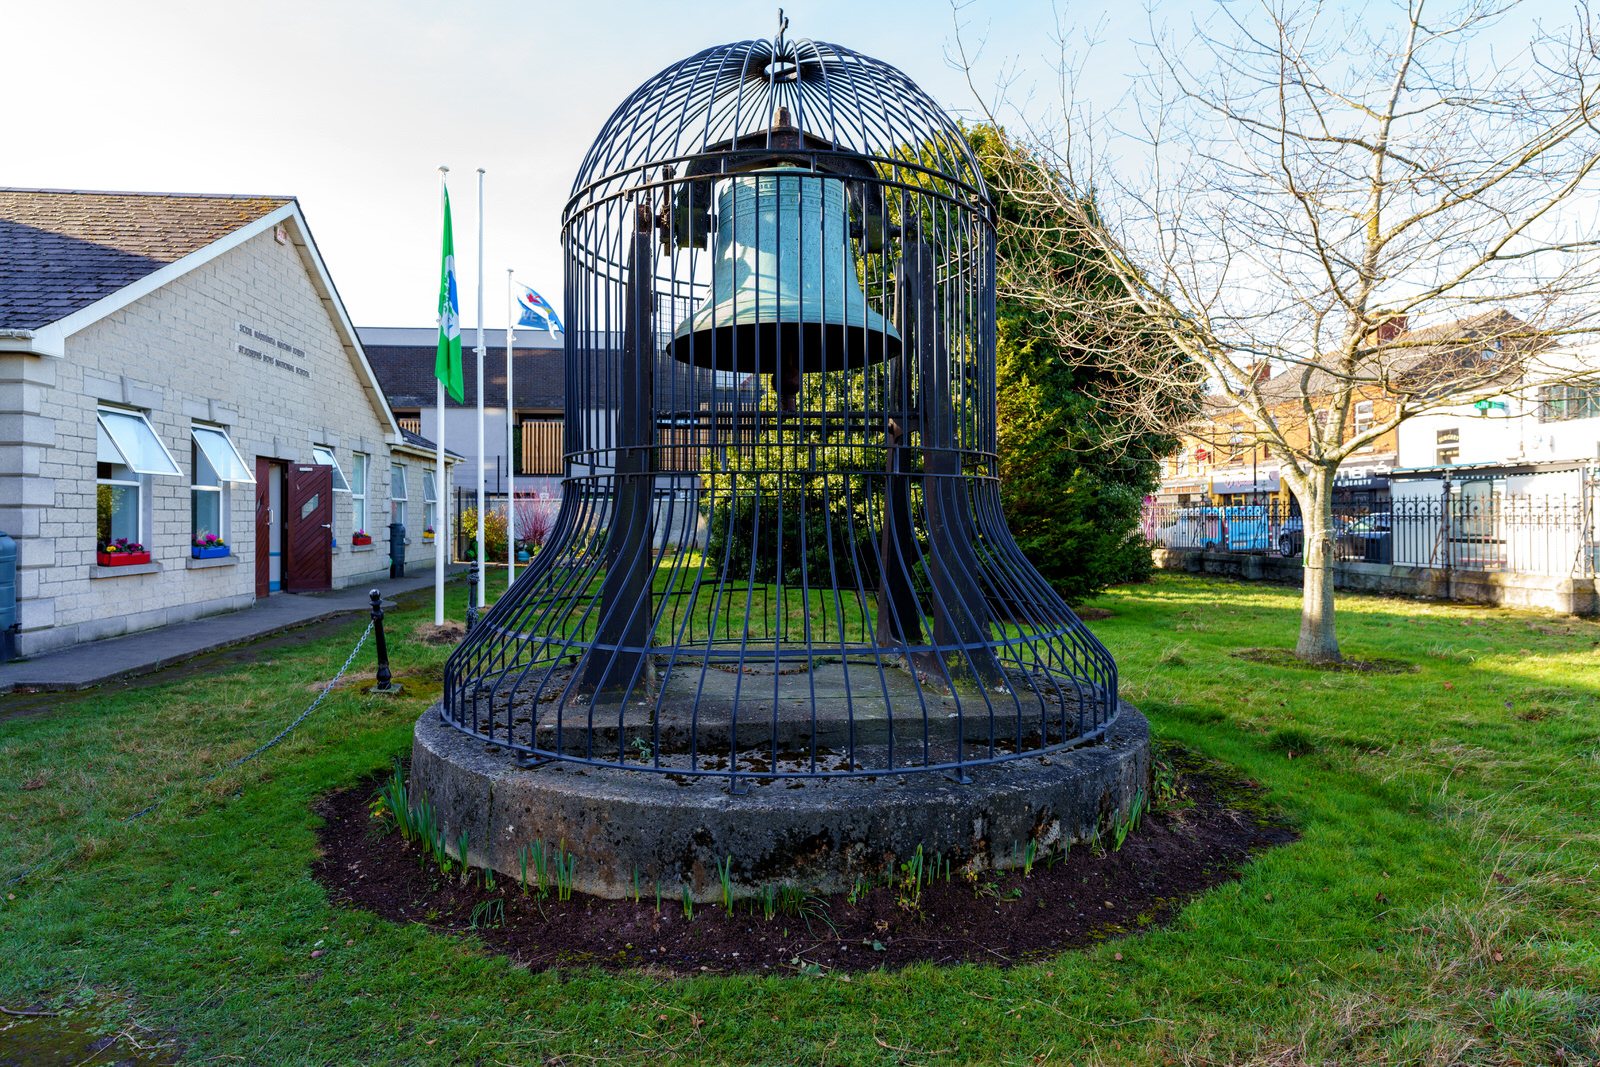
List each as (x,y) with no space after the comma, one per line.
(1458,529)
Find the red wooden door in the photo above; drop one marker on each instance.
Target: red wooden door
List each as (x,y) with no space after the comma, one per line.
(264,518)
(308,515)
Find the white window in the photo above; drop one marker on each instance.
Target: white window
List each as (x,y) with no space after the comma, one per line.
(127,454)
(430,501)
(358,491)
(1580,400)
(215,462)
(397,492)
(1363,416)
(323,456)
(118,498)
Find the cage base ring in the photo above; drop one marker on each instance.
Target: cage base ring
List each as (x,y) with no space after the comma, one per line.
(671,831)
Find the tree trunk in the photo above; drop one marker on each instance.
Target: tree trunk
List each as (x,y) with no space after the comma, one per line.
(1318,641)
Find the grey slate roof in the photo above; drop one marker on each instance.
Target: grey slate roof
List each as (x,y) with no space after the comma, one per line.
(1417,361)
(416,440)
(403,357)
(62,250)
(403,361)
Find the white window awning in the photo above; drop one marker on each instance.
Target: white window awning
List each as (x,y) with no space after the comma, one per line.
(220,452)
(126,437)
(105,448)
(325,457)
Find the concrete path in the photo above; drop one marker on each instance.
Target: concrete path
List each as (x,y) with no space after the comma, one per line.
(97,662)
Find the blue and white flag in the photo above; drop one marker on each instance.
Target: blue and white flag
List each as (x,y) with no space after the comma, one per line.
(536,311)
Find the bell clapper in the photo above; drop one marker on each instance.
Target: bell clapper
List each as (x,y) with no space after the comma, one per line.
(786,381)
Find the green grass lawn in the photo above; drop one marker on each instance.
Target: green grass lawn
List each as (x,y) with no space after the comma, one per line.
(1441,906)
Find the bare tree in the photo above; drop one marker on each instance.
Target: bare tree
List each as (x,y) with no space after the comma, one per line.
(1317,178)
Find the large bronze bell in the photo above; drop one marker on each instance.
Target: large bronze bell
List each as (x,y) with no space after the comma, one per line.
(785,296)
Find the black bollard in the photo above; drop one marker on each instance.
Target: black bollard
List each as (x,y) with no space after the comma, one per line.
(383,686)
(472,595)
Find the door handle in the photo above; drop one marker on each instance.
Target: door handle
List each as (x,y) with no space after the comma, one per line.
(327,526)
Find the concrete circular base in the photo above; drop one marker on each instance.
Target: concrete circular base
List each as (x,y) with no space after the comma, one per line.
(673,831)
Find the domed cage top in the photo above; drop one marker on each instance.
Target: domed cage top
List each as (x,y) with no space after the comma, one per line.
(780,550)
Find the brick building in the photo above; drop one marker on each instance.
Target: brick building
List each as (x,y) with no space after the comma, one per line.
(173,369)
(1224,461)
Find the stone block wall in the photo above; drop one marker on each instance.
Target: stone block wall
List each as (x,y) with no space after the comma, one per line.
(1573,596)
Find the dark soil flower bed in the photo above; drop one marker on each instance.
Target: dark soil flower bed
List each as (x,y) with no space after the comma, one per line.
(1283,657)
(1198,835)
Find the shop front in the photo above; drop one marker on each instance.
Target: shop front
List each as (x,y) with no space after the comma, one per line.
(1361,488)
(1184,493)
(1256,487)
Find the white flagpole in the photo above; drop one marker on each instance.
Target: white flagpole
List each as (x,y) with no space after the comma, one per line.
(511,455)
(483,516)
(441,484)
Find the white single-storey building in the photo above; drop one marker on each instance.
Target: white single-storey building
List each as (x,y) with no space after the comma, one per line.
(187,417)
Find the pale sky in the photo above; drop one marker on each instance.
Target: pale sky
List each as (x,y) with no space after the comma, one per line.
(352,105)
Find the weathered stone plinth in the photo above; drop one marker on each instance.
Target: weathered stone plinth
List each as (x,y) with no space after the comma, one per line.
(673,830)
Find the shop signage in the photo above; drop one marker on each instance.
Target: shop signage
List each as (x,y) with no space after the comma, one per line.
(1245,482)
(1361,478)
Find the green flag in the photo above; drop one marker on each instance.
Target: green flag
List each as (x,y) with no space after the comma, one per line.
(447,364)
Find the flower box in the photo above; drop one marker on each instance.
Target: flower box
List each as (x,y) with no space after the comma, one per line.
(361,539)
(209,552)
(121,559)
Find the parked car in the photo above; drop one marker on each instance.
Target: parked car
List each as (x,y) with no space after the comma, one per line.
(1292,537)
(1235,528)
(1368,539)
(1189,528)
(1244,529)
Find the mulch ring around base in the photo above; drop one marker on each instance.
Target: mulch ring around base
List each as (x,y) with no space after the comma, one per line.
(1283,657)
(1194,840)
(450,633)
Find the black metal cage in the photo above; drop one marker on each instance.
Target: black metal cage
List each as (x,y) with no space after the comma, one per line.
(780,550)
